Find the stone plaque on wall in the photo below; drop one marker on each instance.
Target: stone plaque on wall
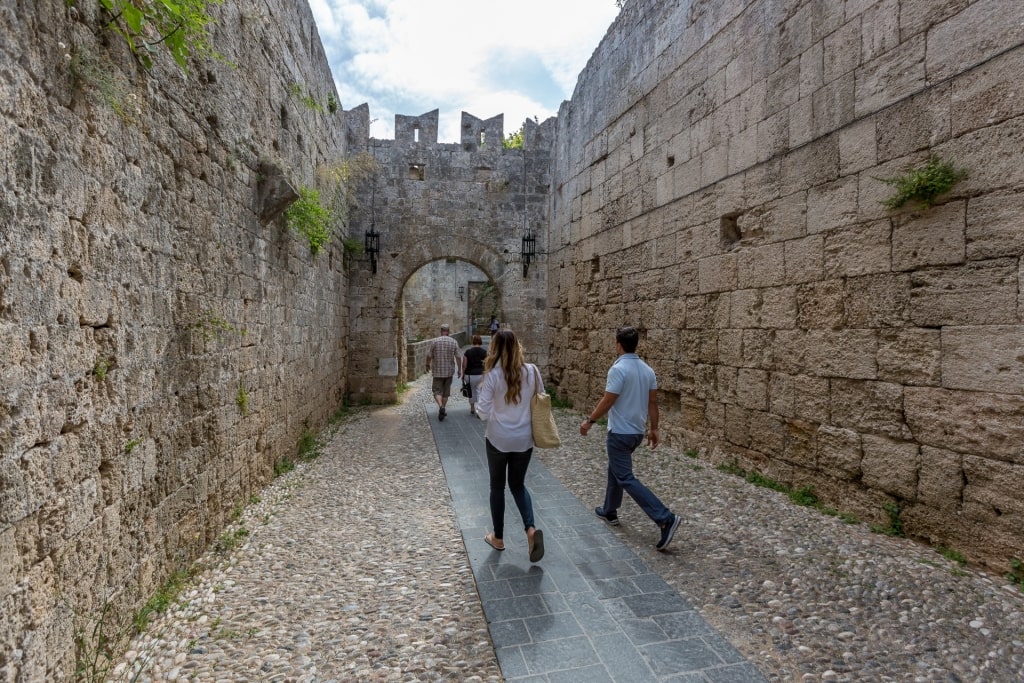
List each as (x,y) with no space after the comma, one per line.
(388,367)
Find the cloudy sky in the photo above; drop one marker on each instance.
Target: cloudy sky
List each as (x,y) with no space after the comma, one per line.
(520,59)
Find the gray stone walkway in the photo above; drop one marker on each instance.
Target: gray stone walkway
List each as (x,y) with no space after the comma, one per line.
(591,610)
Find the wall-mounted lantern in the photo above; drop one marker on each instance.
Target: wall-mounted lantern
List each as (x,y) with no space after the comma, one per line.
(372,247)
(462,290)
(528,251)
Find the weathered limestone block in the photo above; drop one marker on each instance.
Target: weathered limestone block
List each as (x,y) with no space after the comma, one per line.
(745,308)
(831,353)
(994,226)
(833,105)
(918,123)
(737,425)
(910,356)
(890,76)
(842,50)
(970,422)
(858,146)
(717,273)
(838,452)
(940,479)
(890,465)
(757,349)
(932,238)
(761,266)
(987,22)
(799,397)
(858,250)
(992,492)
(868,407)
(917,16)
(980,293)
(768,433)
(986,95)
(833,205)
(820,305)
(752,389)
(881,300)
(805,259)
(984,358)
(800,443)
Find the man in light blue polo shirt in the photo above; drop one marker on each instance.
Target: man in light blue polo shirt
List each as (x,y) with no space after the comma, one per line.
(630,397)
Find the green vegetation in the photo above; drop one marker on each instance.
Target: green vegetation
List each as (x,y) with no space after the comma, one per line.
(163,598)
(229,540)
(332,103)
(309,446)
(212,326)
(305,97)
(101,368)
(352,246)
(343,180)
(103,84)
(283,466)
(310,219)
(559,402)
(895,525)
(952,555)
(690,453)
(923,185)
(242,399)
(182,27)
(402,388)
(514,140)
(802,496)
(131,444)
(1016,573)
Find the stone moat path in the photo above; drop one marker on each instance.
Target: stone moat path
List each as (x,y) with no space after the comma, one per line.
(368,564)
(591,610)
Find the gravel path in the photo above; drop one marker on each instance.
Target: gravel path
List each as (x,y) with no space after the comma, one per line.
(354,570)
(805,596)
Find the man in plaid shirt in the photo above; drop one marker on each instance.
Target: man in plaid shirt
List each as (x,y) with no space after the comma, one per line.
(443,362)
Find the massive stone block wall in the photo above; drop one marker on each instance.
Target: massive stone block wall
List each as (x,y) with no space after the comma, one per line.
(716,183)
(163,340)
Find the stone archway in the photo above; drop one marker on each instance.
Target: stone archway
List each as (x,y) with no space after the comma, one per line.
(377,342)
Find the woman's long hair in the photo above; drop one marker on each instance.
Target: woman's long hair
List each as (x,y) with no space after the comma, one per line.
(506,352)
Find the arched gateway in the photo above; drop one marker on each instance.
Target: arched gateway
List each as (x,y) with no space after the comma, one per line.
(473,201)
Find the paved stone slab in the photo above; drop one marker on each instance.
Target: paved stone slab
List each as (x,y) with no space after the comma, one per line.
(591,610)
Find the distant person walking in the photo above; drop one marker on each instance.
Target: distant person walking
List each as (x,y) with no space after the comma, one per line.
(473,369)
(442,363)
(505,391)
(630,397)
(494,326)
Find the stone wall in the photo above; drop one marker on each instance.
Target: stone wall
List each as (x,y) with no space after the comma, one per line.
(431,297)
(470,201)
(716,182)
(164,340)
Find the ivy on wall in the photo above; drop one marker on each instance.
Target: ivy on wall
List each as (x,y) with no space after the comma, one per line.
(182,27)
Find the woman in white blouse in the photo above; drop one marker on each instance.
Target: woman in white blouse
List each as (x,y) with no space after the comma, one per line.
(504,401)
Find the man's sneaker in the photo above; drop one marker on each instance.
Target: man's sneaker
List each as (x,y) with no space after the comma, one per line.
(668,531)
(610,517)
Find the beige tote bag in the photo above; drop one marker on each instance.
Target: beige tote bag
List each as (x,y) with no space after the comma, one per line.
(545,432)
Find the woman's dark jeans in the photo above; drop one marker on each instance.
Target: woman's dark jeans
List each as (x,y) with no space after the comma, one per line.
(514,464)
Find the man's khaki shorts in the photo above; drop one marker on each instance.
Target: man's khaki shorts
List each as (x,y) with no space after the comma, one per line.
(442,386)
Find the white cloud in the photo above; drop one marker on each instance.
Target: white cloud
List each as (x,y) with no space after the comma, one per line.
(520,59)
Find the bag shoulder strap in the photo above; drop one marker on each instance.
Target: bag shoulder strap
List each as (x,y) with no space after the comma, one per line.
(536,380)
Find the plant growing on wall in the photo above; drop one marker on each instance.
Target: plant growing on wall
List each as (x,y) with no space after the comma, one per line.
(514,140)
(308,217)
(305,97)
(181,26)
(923,185)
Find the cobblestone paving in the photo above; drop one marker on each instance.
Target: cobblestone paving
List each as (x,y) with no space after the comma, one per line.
(354,570)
